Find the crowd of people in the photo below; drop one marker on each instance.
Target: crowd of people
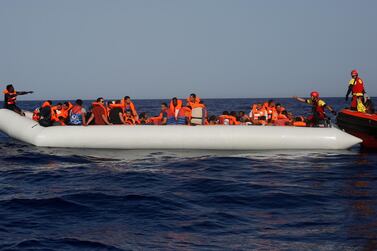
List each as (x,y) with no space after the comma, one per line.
(192,111)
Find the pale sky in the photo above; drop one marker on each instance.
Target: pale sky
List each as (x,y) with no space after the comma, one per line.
(72,49)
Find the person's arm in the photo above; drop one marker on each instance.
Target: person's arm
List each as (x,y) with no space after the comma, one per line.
(105,119)
(83,114)
(121,117)
(331,109)
(300,99)
(348,91)
(24,93)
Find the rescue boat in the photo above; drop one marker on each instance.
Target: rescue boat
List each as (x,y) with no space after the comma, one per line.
(174,137)
(359,124)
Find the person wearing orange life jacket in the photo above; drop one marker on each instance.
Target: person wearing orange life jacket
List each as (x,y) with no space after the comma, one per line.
(10,97)
(129,105)
(284,119)
(175,105)
(258,114)
(356,87)
(99,113)
(46,115)
(227,119)
(116,114)
(271,110)
(318,117)
(193,101)
(299,122)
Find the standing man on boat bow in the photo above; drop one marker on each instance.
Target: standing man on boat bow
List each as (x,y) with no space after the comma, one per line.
(10,96)
(356,87)
(318,117)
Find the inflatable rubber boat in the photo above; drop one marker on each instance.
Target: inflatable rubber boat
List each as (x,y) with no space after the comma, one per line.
(362,125)
(174,137)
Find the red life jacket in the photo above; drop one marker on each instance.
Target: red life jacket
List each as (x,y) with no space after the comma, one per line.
(358,87)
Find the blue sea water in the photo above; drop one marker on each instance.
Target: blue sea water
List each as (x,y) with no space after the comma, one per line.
(72,199)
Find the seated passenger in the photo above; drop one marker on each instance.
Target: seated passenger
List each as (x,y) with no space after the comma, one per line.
(116,114)
(129,118)
(175,105)
(77,114)
(64,114)
(10,97)
(164,114)
(144,119)
(284,119)
(129,105)
(258,114)
(99,113)
(227,119)
(46,115)
(271,110)
(213,120)
(299,122)
(193,101)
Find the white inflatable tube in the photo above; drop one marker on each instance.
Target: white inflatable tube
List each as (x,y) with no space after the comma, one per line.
(174,137)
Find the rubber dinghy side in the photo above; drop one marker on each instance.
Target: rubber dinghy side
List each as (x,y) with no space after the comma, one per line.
(174,137)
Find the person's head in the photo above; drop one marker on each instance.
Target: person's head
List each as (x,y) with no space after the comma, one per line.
(128,113)
(241,113)
(225,113)
(233,113)
(354,74)
(192,97)
(65,105)
(79,102)
(285,113)
(127,99)
(164,106)
(59,106)
(212,120)
(271,103)
(10,88)
(299,119)
(175,101)
(314,95)
(278,107)
(100,100)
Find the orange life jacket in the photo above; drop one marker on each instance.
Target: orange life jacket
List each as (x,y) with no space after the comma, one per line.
(257,113)
(299,124)
(36,114)
(232,120)
(271,112)
(175,109)
(129,106)
(11,100)
(194,104)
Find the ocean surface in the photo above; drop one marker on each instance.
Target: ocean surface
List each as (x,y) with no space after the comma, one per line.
(72,199)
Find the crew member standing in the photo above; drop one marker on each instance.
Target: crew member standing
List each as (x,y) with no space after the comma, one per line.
(10,96)
(356,87)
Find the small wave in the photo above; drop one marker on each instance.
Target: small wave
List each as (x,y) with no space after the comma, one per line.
(59,244)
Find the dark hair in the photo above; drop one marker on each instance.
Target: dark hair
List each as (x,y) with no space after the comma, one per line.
(225,113)
(233,113)
(175,98)
(99,99)
(193,95)
(79,102)
(9,86)
(270,101)
(262,118)
(66,103)
(213,118)
(284,112)
(49,101)
(278,104)
(164,104)
(59,103)
(127,97)
(298,119)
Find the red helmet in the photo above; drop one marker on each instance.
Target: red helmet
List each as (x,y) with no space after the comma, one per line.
(354,73)
(314,94)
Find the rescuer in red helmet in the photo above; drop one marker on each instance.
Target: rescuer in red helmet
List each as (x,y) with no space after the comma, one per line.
(356,87)
(318,108)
